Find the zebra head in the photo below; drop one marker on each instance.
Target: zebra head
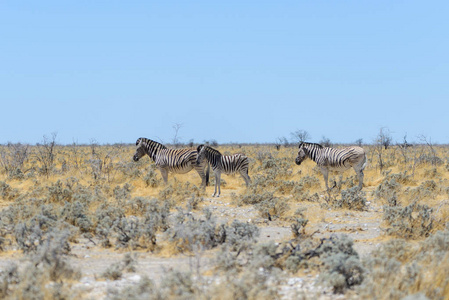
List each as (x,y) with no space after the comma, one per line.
(140,151)
(200,155)
(301,154)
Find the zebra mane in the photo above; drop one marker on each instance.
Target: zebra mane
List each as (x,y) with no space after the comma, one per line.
(314,145)
(209,151)
(151,147)
(150,143)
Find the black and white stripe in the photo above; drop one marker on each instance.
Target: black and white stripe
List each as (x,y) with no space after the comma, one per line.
(228,164)
(178,161)
(334,159)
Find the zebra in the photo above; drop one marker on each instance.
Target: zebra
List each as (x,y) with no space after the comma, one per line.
(228,164)
(334,159)
(178,161)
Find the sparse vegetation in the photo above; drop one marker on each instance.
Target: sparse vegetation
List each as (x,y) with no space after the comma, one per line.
(55,199)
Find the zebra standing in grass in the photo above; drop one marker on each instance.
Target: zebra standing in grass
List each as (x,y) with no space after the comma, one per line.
(228,164)
(333,159)
(178,161)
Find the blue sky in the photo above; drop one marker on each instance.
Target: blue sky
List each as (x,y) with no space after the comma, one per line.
(234,71)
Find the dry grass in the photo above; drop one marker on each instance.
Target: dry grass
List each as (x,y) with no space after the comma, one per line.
(98,193)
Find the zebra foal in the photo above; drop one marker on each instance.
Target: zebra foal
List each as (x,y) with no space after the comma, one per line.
(334,159)
(178,161)
(228,164)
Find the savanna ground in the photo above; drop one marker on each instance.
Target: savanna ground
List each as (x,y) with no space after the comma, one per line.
(88,222)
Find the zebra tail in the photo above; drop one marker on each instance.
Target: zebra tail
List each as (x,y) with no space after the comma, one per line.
(207,174)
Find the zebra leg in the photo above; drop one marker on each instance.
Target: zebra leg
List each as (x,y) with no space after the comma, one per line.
(217,184)
(325,173)
(204,178)
(359,171)
(360,175)
(245,177)
(164,173)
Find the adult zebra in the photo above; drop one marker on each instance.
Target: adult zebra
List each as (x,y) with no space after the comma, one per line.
(178,161)
(228,164)
(334,159)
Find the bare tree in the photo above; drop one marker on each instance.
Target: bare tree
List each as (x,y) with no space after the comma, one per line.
(380,144)
(404,143)
(45,153)
(284,141)
(93,146)
(434,159)
(403,148)
(326,142)
(75,154)
(281,141)
(384,137)
(278,144)
(13,158)
(359,142)
(101,160)
(176,140)
(191,143)
(300,136)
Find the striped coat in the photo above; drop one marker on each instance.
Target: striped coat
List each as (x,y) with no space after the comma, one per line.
(332,159)
(178,161)
(228,164)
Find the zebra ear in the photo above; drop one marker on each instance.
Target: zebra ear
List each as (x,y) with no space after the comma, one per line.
(138,141)
(199,147)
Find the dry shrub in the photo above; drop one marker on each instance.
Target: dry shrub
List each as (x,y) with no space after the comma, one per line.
(239,235)
(268,205)
(253,195)
(342,268)
(285,187)
(351,198)
(399,268)
(77,214)
(145,289)
(179,191)
(335,257)
(299,224)
(7,192)
(387,188)
(250,284)
(115,271)
(412,221)
(150,178)
(48,274)
(9,276)
(190,233)
(276,167)
(271,208)
(427,189)
(302,190)
(113,227)
(250,273)
(123,193)
(309,182)
(174,285)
